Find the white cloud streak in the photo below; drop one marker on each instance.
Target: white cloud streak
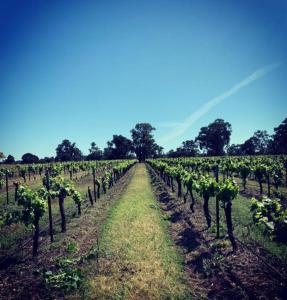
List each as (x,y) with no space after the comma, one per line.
(179,128)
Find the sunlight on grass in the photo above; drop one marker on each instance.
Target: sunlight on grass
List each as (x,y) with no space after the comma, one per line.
(138,259)
(244,227)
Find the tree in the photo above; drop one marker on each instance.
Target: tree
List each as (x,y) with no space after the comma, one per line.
(29,158)
(144,145)
(158,151)
(261,140)
(258,144)
(10,159)
(234,150)
(188,148)
(47,159)
(119,147)
(2,155)
(108,153)
(248,147)
(280,138)
(95,152)
(67,151)
(171,153)
(215,137)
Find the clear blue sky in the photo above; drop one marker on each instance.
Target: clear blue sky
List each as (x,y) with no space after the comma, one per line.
(85,70)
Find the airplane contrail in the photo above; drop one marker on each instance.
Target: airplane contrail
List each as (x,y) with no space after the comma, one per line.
(179,128)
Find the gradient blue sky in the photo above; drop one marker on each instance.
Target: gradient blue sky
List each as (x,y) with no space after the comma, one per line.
(85,70)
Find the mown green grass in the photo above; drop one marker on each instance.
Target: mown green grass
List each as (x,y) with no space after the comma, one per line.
(138,259)
(244,227)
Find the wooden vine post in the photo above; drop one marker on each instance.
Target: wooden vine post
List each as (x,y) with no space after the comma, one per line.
(16,184)
(98,189)
(94,183)
(217,218)
(49,207)
(7,191)
(90,196)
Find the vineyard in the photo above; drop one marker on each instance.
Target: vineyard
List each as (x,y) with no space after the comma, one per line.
(261,180)
(76,227)
(143,150)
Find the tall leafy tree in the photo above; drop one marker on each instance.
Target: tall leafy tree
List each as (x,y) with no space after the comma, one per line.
(47,159)
(95,152)
(188,148)
(280,138)
(259,143)
(171,153)
(143,142)
(119,147)
(157,151)
(29,158)
(261,140)
(248,147)
(215,137)
(2,155)
(10,159)
(234,149)
(67,151)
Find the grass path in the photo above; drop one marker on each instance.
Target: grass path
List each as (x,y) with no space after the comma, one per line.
(138,260)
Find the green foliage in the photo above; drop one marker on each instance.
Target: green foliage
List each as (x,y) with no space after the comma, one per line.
(260,170)
(10,217)
(244,169)
(43,193)
(61,187)
(66,278)
(189,178)
(77,197)
(55,170)
(72,247)
(227,190)
(206,186)
(277,175)
(144,144)
(214,137)
(1,183)
(220,244)
(67,151)
(270,213)
(33,205)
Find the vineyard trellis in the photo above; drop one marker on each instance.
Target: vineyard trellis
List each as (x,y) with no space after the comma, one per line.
(225,191)
(55,185)
(217,176)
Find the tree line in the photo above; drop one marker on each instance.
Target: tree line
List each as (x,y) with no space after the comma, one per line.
(141,145)
(212,140)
